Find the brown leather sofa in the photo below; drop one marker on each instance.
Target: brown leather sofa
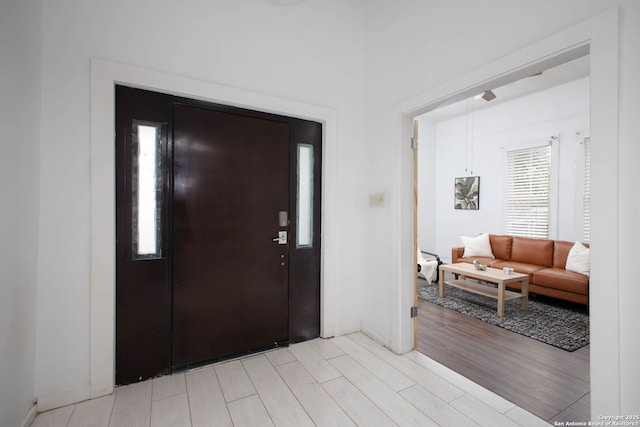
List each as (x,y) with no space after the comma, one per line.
(543,260)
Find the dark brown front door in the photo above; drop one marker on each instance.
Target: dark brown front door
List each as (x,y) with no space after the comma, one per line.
(205,279)
(231,181)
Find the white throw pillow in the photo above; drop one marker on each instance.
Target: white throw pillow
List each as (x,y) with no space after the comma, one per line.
(477,246)
(578,259)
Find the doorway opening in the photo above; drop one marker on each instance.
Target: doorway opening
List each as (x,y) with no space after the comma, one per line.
(471,138)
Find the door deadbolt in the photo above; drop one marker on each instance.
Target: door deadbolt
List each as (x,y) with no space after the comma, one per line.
(283,219)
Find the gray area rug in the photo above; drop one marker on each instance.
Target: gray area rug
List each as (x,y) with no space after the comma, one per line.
(554,322)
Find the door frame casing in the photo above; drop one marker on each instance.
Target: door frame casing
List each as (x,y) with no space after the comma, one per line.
(105,75)
(598,36)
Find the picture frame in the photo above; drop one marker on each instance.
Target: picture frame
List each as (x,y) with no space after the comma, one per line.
(467,193)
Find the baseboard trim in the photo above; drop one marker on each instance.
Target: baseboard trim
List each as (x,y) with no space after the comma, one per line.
(29,417)
(59,399)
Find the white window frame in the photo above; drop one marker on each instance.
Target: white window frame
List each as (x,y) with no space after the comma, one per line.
(553,143)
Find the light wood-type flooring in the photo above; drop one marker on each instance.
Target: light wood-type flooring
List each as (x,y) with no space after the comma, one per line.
(547,381)
(343,381)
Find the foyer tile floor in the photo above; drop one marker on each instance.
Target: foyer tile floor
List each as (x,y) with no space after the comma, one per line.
(343,381)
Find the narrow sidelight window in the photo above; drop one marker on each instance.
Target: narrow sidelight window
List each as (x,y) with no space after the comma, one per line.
(304,221)
(147,190)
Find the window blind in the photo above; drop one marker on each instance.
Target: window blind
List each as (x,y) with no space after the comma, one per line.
(586,195)
(528,189)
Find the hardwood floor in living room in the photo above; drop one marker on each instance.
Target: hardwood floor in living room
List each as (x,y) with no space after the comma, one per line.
(547,381)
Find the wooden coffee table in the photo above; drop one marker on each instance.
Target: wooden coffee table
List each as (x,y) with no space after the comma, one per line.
(466,271)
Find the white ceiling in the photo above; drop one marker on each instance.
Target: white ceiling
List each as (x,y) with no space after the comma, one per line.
(564,73)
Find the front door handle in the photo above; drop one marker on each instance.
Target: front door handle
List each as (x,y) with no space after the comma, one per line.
(282,238)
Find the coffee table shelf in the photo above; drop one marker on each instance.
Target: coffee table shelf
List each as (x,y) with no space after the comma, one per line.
(479,288)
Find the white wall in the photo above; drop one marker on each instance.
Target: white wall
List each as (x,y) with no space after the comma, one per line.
(414,46)
(312,52)
(20,133)
(530,120)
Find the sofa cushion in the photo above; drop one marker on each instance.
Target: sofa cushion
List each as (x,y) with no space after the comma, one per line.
(501,246)
(559,278)
(532,251)
(519,267)
(560,252)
